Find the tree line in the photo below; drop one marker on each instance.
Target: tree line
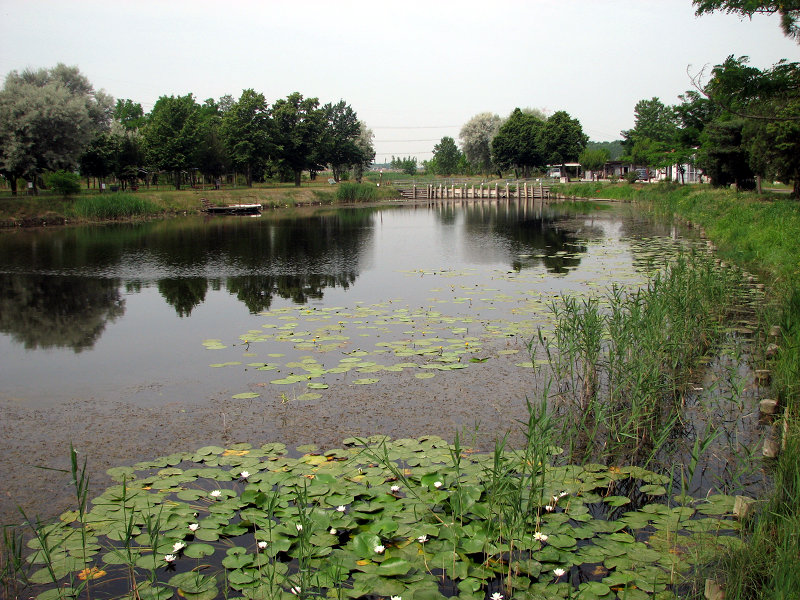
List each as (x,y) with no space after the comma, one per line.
(53,119)
(525,142)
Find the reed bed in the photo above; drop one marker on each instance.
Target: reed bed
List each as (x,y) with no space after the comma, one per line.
(114,206)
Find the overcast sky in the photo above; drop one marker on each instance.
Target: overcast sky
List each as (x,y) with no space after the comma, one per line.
(413,71)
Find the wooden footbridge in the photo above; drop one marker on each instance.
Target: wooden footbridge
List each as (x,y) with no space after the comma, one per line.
(464,191)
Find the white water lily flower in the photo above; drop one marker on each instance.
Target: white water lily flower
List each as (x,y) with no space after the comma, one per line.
(395,598)
(299,527)
(216,493)
(437,484)
(549,508)
(540,536)
(194,526)
(333,531)
(295,590)
(244,474)
(558,572)
(497,596)
(178,546)
(341,508)
(562,494)
(422,539)
(379,549)
(170,558)
(395,489)
(262,544)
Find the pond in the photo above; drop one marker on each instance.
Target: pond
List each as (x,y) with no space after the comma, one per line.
(301,327)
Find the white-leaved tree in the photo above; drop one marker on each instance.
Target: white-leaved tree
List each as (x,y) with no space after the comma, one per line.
(47,119)
(476,138)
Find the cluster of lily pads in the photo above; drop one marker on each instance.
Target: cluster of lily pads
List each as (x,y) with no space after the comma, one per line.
(409,518)
(466,319)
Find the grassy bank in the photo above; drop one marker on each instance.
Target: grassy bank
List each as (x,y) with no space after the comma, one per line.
(49,209)
(762,235)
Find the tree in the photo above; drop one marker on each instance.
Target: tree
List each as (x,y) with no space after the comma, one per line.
(366,151)
(47,118)
(788,11)
(446,156)
(297,124)
(245,129)
(594,159)
(129,114)
(407,165)
(172,134)
(339,146)
(476,137)
(518,143)
(563,139)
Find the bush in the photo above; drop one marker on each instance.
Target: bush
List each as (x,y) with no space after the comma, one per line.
(356,192)
(631,176)
(64,183)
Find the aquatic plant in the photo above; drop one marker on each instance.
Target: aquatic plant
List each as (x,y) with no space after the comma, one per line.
(422,519)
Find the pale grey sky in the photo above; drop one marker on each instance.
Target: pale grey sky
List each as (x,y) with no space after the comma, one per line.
(413,71)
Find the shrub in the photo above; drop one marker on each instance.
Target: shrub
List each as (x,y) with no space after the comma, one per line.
(64,183)
(356,192)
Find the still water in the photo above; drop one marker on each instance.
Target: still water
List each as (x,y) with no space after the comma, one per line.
(135,340)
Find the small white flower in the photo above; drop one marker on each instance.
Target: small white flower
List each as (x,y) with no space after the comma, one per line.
(262,544)
(395,489)
(170,558)
(562,494)
(295,590)
(395,598)
(558,572)
(341,508)
(178,546)
(437,484)
(216,493)
(422,539)
(299,527)
(244,474)
(379,549)
(540,536)
(549,508)
(497,596)
(194,526)
(334,531)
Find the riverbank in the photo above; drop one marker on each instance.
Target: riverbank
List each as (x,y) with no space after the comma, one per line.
(49,209)
(762,235)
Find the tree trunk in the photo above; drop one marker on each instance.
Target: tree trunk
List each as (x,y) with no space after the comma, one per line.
(249,176)
(13,181)
(297,178)
(758,184)
(177,176)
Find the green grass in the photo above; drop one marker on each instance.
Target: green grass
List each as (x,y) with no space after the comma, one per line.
(761,234)
(113,207)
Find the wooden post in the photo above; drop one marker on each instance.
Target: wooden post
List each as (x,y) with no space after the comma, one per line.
(414,188)
(497,190)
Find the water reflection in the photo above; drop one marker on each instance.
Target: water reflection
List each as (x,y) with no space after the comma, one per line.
(45,311)
(60,288)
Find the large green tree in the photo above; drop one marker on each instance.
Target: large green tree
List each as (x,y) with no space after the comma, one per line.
(339,144)
(518,143)
(446,156)
(172,135)
(245,128)
(297,124)
(47,119)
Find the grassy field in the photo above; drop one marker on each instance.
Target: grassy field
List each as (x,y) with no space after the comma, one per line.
(760,233)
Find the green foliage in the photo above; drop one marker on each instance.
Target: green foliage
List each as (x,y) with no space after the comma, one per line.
(614,149)
(296,127)
(594,159)
(518,143)
(446,156)
(356,192)
(789,11)
(64,183)
(114,206)
(407,165)
(562,138)
(245,130)
(172,134)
